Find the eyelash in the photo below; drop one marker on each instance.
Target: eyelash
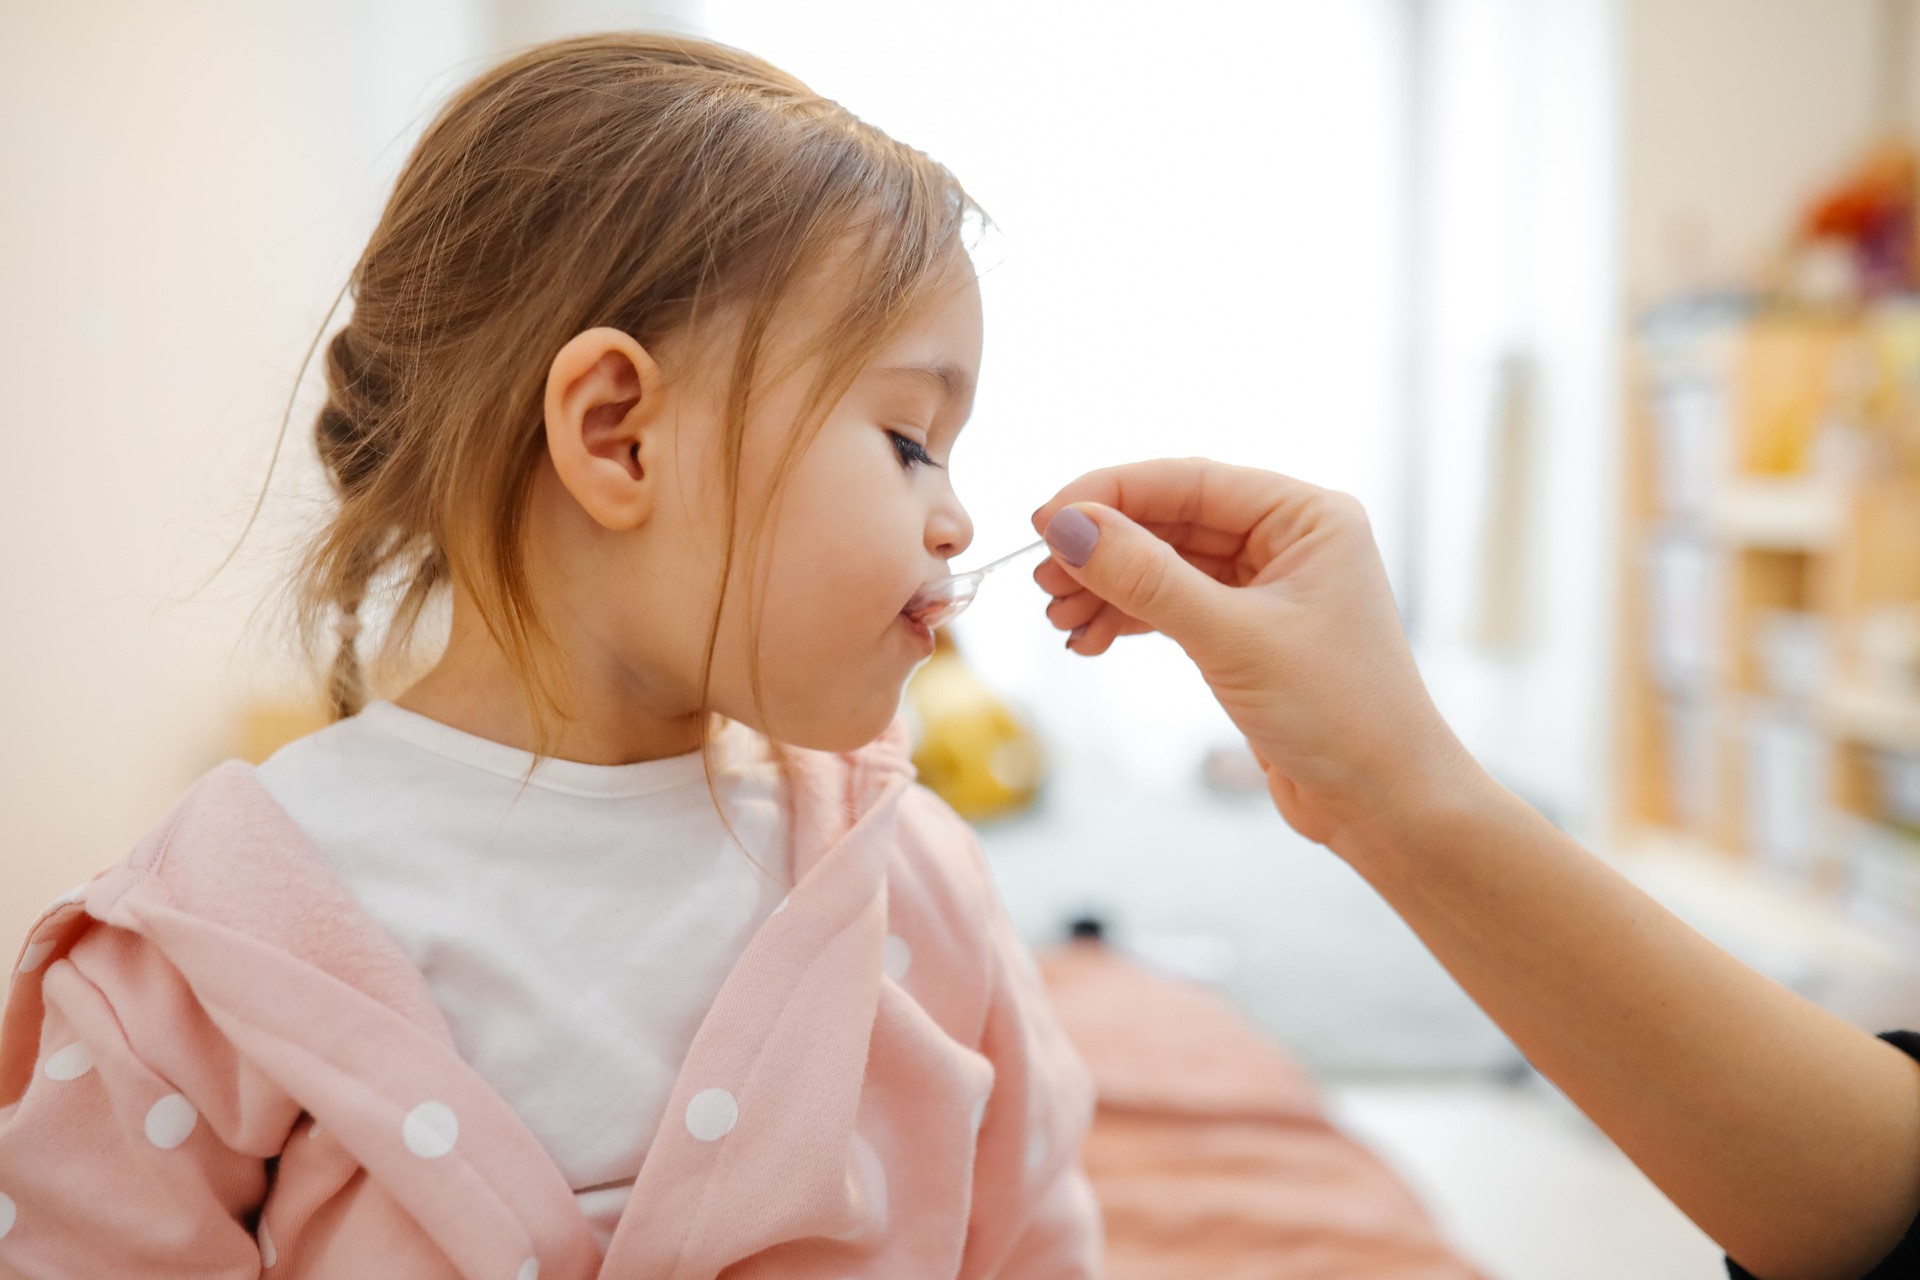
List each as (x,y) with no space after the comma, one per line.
(911,451)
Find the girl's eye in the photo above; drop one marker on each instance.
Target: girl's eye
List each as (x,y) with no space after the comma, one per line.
(911,451)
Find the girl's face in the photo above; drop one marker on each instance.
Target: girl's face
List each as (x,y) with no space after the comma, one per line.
(865,516)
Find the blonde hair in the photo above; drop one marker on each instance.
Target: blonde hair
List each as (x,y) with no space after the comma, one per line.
(634,180)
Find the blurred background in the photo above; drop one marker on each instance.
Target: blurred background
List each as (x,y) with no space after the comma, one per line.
(1605,308)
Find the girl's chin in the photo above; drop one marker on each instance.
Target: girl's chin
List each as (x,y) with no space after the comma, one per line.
(850,729)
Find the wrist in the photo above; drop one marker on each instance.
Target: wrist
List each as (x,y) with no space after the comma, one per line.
(1418,809)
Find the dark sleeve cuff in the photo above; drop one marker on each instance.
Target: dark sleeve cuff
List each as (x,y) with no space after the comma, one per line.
(1904,1261)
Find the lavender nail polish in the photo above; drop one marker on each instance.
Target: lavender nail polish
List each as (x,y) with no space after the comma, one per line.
(1072,535)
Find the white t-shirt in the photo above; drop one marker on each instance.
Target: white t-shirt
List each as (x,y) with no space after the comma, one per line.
(574,937)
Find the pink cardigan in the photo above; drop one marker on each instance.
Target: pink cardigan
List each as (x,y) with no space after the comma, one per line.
(215,1064)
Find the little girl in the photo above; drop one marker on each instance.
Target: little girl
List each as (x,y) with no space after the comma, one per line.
(622,943)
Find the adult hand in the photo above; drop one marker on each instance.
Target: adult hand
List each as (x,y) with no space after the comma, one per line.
(1276,590)
(1789,1136)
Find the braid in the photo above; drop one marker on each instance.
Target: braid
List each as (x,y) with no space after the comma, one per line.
(346,684)
(350,436)
(347,430)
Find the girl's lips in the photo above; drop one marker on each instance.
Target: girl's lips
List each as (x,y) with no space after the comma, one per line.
(918,629)
(918,610)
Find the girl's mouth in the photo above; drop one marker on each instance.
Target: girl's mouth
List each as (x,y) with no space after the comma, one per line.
(919,630)
(921,608)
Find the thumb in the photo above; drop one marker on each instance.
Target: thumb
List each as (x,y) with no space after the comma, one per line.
(1132,569)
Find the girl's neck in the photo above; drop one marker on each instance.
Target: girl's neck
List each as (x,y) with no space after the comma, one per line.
(472,689)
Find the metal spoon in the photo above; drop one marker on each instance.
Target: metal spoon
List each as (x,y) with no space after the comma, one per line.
(944,599)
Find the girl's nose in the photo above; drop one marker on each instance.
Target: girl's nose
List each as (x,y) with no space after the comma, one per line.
(949,529)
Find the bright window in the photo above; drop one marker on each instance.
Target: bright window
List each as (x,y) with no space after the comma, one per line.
(1199,252)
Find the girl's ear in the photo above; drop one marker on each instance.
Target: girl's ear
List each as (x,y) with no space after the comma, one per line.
(606,425)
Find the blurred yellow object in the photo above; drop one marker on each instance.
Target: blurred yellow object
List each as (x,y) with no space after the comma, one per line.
(267,724)
(1790,369)
(971,749)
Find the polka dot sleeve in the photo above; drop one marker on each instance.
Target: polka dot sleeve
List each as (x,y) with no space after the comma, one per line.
(111,1159)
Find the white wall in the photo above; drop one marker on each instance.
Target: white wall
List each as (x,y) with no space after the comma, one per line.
(186,188)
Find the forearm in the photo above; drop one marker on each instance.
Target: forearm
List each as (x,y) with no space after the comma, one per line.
(1790,1137)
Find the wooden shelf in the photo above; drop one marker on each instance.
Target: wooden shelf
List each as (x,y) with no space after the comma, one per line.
(1789,513)
(1770,575)
(1872,718)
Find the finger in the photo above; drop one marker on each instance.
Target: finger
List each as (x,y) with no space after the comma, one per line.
(1130,568)
(1195,539)
(1054,579)
(1100,632)
(1196,492)
(1069,612)
(1220,568)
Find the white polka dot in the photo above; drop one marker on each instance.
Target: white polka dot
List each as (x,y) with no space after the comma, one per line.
(1036,1149)
(6,1215)
(873,1176)
(69,1063)
(170,1120)
(268,1254)
(977,1116)
(430,1130)
(35,955)
(783,905)
(896,957)
(313,1130)
(711,1114)
(529,1270)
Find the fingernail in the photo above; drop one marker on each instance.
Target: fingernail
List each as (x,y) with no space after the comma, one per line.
(1075,634)
(1071,534)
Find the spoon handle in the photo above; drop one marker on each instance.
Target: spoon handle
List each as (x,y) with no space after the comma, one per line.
(1011,555)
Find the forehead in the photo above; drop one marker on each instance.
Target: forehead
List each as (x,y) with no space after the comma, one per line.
(935,347)
(938,346)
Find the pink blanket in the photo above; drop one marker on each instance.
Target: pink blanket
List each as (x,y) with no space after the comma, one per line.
(1210,1151)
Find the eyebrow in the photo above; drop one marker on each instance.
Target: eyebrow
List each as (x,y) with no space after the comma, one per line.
(954,382)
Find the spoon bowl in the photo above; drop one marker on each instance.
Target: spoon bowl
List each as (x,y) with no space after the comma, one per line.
(944,599)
